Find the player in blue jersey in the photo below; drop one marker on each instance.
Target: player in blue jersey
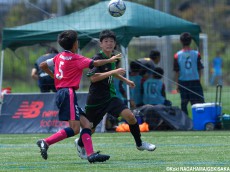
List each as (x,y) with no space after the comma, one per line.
(119,86)
(217,65)
(102,98)
(188,66)
(154,89)
(135,93)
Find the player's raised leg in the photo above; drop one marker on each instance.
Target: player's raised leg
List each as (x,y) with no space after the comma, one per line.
(86,142)
(43,148)
(135,131)
(44,144)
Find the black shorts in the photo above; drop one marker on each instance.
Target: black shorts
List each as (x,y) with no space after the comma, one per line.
(96,113)
(46,84)
(191,91)
(66,101)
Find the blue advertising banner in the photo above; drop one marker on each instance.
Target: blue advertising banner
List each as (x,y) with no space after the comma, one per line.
(32,113)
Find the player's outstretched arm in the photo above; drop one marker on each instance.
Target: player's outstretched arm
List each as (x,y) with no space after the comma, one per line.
(46,69)
(105,61)
(34,74)
(127,81)
(100,76)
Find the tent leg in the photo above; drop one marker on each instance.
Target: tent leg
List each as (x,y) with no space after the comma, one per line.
(125,54)
(205,54)
(1,76)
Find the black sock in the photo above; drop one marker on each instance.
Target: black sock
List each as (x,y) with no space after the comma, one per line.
(84,130)
(80,143)
(135,131)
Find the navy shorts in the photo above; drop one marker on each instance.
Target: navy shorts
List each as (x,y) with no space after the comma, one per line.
(66,101)
(96,113)
(191,91)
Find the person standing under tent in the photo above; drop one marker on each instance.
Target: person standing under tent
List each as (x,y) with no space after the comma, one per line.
(188,66)
(45,82)
(217,65)
(67,75)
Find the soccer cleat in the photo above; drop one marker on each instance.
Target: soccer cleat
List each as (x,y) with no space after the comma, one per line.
(80,150)
(146,146)
(43,148)
(96,157)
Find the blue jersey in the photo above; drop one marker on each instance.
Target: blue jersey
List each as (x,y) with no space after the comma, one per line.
(135,93)
(119,87)
(188,63)
(217,65)
(153,92)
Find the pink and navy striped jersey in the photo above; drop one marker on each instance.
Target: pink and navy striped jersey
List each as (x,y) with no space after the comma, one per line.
(68,69)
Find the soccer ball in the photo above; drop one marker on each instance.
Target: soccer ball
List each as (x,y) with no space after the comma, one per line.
(116,8)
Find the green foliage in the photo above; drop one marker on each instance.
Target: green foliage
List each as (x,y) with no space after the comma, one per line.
(212,20)
(18,66)
(212,15)
(13,19)
(79,4)
(21,86)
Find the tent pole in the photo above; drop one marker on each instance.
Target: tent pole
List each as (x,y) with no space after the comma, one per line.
(125,54)
(1,76)
(1,71)
(205,54)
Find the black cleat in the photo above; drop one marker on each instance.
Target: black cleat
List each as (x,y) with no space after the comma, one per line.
(96,157)
(43,148)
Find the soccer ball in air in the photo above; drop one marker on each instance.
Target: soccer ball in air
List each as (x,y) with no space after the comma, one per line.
(116,8)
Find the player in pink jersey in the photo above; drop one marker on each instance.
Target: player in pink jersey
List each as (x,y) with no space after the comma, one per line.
(67,75)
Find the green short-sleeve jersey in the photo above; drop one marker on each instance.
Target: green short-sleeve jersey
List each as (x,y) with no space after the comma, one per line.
(101,91)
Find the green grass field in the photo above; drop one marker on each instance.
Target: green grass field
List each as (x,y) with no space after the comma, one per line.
(174,150)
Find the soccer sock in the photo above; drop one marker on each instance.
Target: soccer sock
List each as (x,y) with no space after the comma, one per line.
(60,135)
(135,131)
(87,141)
(80,143)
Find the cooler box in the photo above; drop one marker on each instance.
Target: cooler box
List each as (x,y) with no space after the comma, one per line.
(205,115)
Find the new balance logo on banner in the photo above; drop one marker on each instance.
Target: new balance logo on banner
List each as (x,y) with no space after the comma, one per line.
(32,113)
(29,110)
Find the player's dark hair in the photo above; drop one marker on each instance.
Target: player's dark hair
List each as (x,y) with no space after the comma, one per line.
(67,39)
(186,38)
(154,54)
(52,50)
(158,73)
(134,67)
(107,34)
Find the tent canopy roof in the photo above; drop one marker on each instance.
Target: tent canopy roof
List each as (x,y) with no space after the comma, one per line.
(138,20)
